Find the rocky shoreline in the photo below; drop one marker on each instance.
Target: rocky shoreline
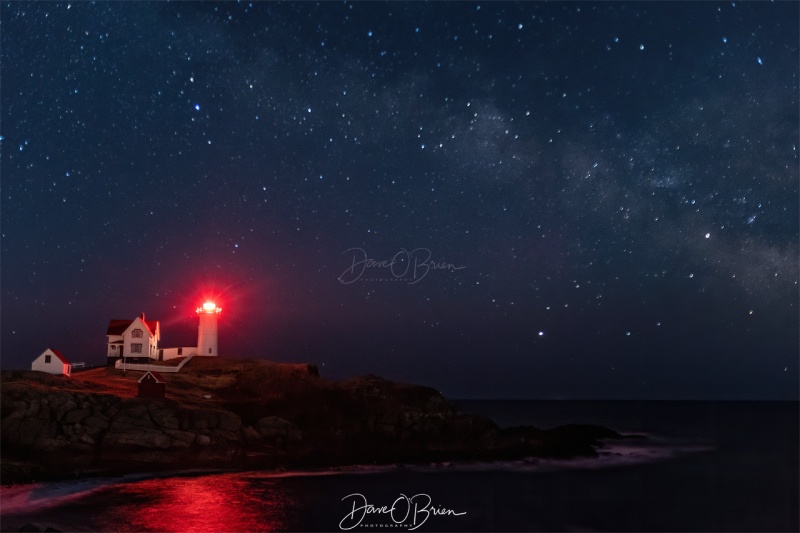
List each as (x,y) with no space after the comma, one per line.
(222,414)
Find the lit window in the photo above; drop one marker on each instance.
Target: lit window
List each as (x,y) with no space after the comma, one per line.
(136,348)
(136,334)
(47,358)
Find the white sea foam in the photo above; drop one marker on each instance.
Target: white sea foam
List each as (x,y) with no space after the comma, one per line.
(29,497)
(613,453)
(39,496)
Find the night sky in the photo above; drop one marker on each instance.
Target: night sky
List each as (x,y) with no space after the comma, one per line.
(599,200)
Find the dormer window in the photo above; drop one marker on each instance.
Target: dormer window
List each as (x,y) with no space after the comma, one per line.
(136,334)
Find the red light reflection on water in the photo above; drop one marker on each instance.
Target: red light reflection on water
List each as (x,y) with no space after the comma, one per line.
(216,503)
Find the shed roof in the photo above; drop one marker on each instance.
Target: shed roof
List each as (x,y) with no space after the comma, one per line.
(61,357)
(155,375)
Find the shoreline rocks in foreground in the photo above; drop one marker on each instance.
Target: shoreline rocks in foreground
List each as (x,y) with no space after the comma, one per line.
(248,414)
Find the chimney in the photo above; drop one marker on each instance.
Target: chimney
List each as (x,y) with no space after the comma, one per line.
(142,317)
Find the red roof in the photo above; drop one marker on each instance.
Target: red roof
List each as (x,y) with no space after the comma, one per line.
(58,354)
(155,375)
(118,327)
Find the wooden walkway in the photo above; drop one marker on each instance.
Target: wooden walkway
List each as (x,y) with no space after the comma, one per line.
(157,368)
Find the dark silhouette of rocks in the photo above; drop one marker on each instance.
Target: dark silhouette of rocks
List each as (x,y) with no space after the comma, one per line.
(248,414)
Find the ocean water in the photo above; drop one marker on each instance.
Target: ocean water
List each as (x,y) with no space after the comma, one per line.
(704,466)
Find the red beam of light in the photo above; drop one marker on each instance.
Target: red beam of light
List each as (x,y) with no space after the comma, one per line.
(247,308)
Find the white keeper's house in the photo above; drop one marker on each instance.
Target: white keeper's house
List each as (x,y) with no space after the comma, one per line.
(136,340)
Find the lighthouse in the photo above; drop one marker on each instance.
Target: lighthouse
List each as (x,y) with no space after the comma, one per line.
(207,330)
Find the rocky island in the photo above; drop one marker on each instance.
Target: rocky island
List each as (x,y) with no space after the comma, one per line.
(247,414)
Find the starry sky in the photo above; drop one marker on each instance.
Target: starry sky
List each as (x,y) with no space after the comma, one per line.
(500,200)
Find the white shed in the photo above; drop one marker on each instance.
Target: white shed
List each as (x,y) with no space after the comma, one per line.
(52,362)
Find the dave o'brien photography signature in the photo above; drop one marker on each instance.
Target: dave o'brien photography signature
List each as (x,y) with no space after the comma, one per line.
(410,511)
(409,266)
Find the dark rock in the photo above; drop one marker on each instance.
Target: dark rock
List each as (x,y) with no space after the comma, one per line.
(165,419)
(229,421)
(250,434)
(97,421)
(272,425)
(277,429)
(260,415)
(34,527)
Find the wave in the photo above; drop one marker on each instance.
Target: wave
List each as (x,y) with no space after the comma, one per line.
(633,451)
(611,454)
(25,498)
(636,449)
(40,496)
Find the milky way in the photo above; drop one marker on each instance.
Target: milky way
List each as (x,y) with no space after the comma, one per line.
(567,200)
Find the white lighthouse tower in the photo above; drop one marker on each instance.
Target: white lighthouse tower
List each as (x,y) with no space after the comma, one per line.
(207,330)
